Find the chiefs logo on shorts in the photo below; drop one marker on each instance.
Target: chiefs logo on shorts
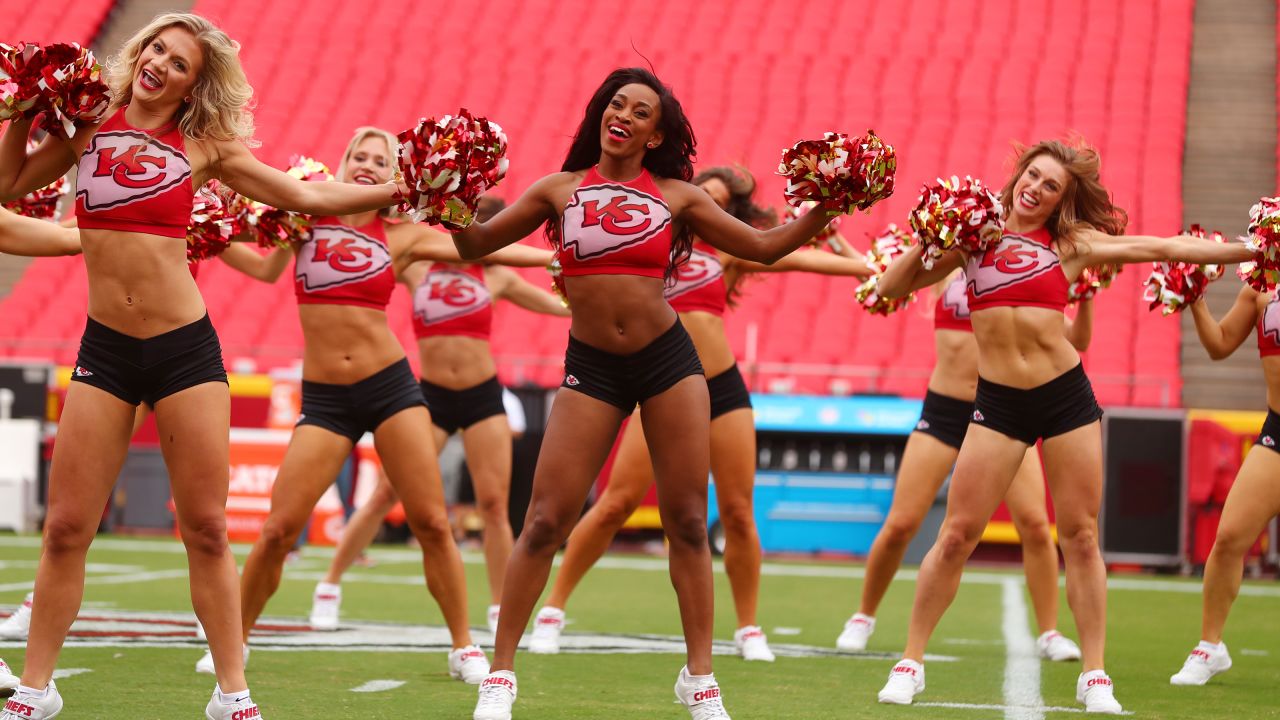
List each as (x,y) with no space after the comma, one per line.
(603,219)
(447,294)
(977,416)
(337,255)
(1014,260)
(1268,441)
(122,167)
(701,269)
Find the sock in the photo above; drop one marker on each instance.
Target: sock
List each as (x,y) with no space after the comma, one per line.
(33,691)
(1094,674)
(227,699)
(325,588)
(1206,645)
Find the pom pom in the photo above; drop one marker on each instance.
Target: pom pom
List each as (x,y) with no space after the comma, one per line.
(448,164)
(282,228)
(60,82)
(212,226)
(956,213)
(1091,280)
(1172,286)
(893,242)
(557,281)
(840,172)
(828,236)
(1262,273)
(42,203)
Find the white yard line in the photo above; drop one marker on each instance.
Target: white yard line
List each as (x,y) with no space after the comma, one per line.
(1002,708)
(374,686)
(125,579)
(1021,666)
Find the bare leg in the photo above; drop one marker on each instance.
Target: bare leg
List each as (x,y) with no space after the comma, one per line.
(361,528)
(488,449)
(733,464)
(1039,553)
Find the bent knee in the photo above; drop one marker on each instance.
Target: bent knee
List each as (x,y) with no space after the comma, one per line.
(431,527)
(688,530)
(1078,539)
(279,535)
(66,535)
(206,536)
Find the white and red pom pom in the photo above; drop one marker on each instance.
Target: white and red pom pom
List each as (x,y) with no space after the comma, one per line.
(60,82)
(1091,280)
(828,236)
(956,213)
(282,228)
(841,173)
(1173,286)
(212,224)
(448,164)
(886,247)
(42,203)
(19,79)
(1262,273)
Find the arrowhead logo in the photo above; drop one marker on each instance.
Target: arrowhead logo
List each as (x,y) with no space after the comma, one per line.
(1016,259)
(956,297)
(603,219)
(977,416)
(571,381)
(1270,324)
(446,294)
(701,269)
(335,255)
(121,167)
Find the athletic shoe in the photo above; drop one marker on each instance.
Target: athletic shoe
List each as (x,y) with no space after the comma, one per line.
(18,625)
(857,631)
(1206,660)
(906,680)
(326,603)
(468,664)
(1095,690)
(752,644)
(1057,647)
(31,704)
(201,635)
(205,664)
(492,618)
(236,706)
(701,695)
(497,695)
(8,681)
(547,627)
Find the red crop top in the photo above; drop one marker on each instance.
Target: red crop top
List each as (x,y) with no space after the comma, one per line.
(1269,328)
(1018,271)
(340,265)
(135,180)
(453,300)
(951,312)
(616,228)
(699,283)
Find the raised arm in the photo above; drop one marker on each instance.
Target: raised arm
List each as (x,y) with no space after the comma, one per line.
(514,222)
(812,261)
(21,173)
(1220,339)
(1096,248)
(506,284)
(21,235)
(266,268)
(906,274)
(729,234)
(1079,330)
(237,167)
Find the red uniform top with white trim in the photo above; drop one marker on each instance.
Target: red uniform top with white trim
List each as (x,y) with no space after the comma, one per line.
(135,180)
(1019,271)
(340,265)
(951,312)
(699,283)
(1269,328)
(453,300)
(616,228)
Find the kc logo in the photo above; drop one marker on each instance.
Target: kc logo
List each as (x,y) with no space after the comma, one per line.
(700,269)
(1270,324)
(1015,260)
(123,167)
(446,294)
(601,219)
(337,255)
(955,298)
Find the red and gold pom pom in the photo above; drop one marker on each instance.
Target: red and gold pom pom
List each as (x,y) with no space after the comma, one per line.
(211,227)
(829,236)
(1262,273)
(557,281)
(956,213)
(448,164)
(42,203)
(1091,280)
(60,82)
(282,228)
(1172,286)
(893,242)
(841,173)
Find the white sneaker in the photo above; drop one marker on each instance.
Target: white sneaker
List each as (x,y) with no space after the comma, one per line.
(237,706)
(497,695)
(1095,690)
(547,626)
(857,631)
(205,663)
(1205,661)
(752,643)
(8,681)
(492,618)
(18,625)
(701,695)
(326,603)
(1055,646)
(906,680)
(468,664)
(31,704)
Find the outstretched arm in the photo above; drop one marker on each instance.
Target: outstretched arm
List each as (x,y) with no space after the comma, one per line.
(515,222)
(506,284)
(906,274)
(237,167)
(1221,339)
(812,261)
(1079,330)
(1096,248)
(266,268)
(21,173)
(729,234)
(21,235)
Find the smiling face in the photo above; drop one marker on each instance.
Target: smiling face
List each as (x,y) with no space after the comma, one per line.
(630,121)
(168,67)
(1039,191)
(370,162)
(718,191)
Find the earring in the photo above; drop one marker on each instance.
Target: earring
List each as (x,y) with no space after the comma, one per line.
(186,99)
(653,145)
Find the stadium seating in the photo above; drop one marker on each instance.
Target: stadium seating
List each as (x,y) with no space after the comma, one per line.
(952,85)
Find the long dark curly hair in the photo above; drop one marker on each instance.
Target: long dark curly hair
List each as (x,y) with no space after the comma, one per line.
(742,205)
(673,159)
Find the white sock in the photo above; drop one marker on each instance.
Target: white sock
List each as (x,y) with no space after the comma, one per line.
(1206,645)
(33,691)
(233,697)
(324,588)
(1094,674)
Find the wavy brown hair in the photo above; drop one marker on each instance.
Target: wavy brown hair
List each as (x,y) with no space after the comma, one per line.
(742,205)
(1086,202)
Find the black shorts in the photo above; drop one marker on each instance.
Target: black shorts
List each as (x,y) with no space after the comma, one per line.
(148,370)
(728,392)
(452,410)
(352,410)
(1054,408)
(627,380)
(945,418)
(1269,438)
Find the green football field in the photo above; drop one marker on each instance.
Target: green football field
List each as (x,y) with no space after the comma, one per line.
(133,649)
